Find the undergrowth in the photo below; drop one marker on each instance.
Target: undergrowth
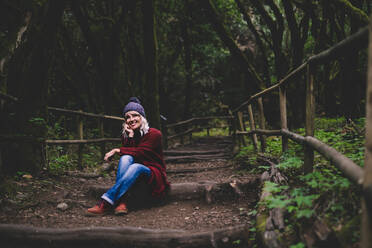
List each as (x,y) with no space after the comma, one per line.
(65,157)
(323,194)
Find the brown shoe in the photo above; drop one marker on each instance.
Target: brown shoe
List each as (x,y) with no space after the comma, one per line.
(101,208)
(121,209)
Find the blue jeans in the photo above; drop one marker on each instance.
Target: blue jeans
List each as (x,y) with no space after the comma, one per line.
(126,175)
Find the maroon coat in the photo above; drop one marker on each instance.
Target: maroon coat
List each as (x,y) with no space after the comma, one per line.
(147,150)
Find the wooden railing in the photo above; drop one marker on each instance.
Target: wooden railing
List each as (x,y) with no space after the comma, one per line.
(196,124)
(354,172)
(102,140)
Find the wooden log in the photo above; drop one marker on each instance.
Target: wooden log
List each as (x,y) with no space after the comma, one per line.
(310,120)
(195,170)
(270,222)
(192,152)
(195,190)
(28,236)
(194,158)
(366,240)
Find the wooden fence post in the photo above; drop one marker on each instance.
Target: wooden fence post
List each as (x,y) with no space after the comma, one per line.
(283,115)
(310,119)
(233,130)
(80,134)
(261,123)
(252,126)
(190,135)
(366,237)
(241,126)
(102,134)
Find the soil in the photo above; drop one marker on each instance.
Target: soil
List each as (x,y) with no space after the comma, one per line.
(61,201)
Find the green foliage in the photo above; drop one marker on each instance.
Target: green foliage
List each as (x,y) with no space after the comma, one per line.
(292,163)
(246,157)
(212,132)
(299,203)
(298,245)
(325,192)
(272,187)
(274,146)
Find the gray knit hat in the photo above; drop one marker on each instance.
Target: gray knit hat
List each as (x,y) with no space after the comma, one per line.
(134,105)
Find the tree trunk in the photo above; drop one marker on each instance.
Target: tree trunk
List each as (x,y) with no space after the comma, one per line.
(151,90)
(255,82)
(188,61)
(265,63)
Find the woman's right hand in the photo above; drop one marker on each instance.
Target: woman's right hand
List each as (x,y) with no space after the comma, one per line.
(111,153)
(129,131)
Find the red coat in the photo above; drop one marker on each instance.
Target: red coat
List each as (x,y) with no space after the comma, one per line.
(148,150)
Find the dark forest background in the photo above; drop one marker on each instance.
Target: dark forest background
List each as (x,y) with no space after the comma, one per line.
(181,58)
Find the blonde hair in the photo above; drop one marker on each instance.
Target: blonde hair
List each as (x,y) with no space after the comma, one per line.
(143,129)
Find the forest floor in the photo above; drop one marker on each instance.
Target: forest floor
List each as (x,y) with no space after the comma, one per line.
(61,201)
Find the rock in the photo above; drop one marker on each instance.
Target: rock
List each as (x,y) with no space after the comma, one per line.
(62,206)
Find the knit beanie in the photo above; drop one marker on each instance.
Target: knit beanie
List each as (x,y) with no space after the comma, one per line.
(134,105)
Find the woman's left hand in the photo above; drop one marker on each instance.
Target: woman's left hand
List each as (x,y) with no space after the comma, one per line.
(111,153)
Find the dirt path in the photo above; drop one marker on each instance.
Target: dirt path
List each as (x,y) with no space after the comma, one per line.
(41,201)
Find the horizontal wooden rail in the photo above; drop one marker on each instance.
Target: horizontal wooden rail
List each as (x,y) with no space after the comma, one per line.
(260,131)
(199,119)
(213,117)
(271,88)
(353,43)
(75,112)
(346,165)
(82,141)
(181,134)
(180,123)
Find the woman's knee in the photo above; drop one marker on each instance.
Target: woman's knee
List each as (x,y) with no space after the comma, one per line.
(139,168)
(126,159)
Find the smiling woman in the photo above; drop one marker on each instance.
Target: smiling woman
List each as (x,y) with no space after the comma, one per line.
(141,155)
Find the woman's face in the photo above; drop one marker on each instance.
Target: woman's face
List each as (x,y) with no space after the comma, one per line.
(133,120)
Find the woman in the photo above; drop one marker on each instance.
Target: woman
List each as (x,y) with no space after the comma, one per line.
(141,154)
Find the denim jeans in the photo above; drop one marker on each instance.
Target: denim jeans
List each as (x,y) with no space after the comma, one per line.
(126,175)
